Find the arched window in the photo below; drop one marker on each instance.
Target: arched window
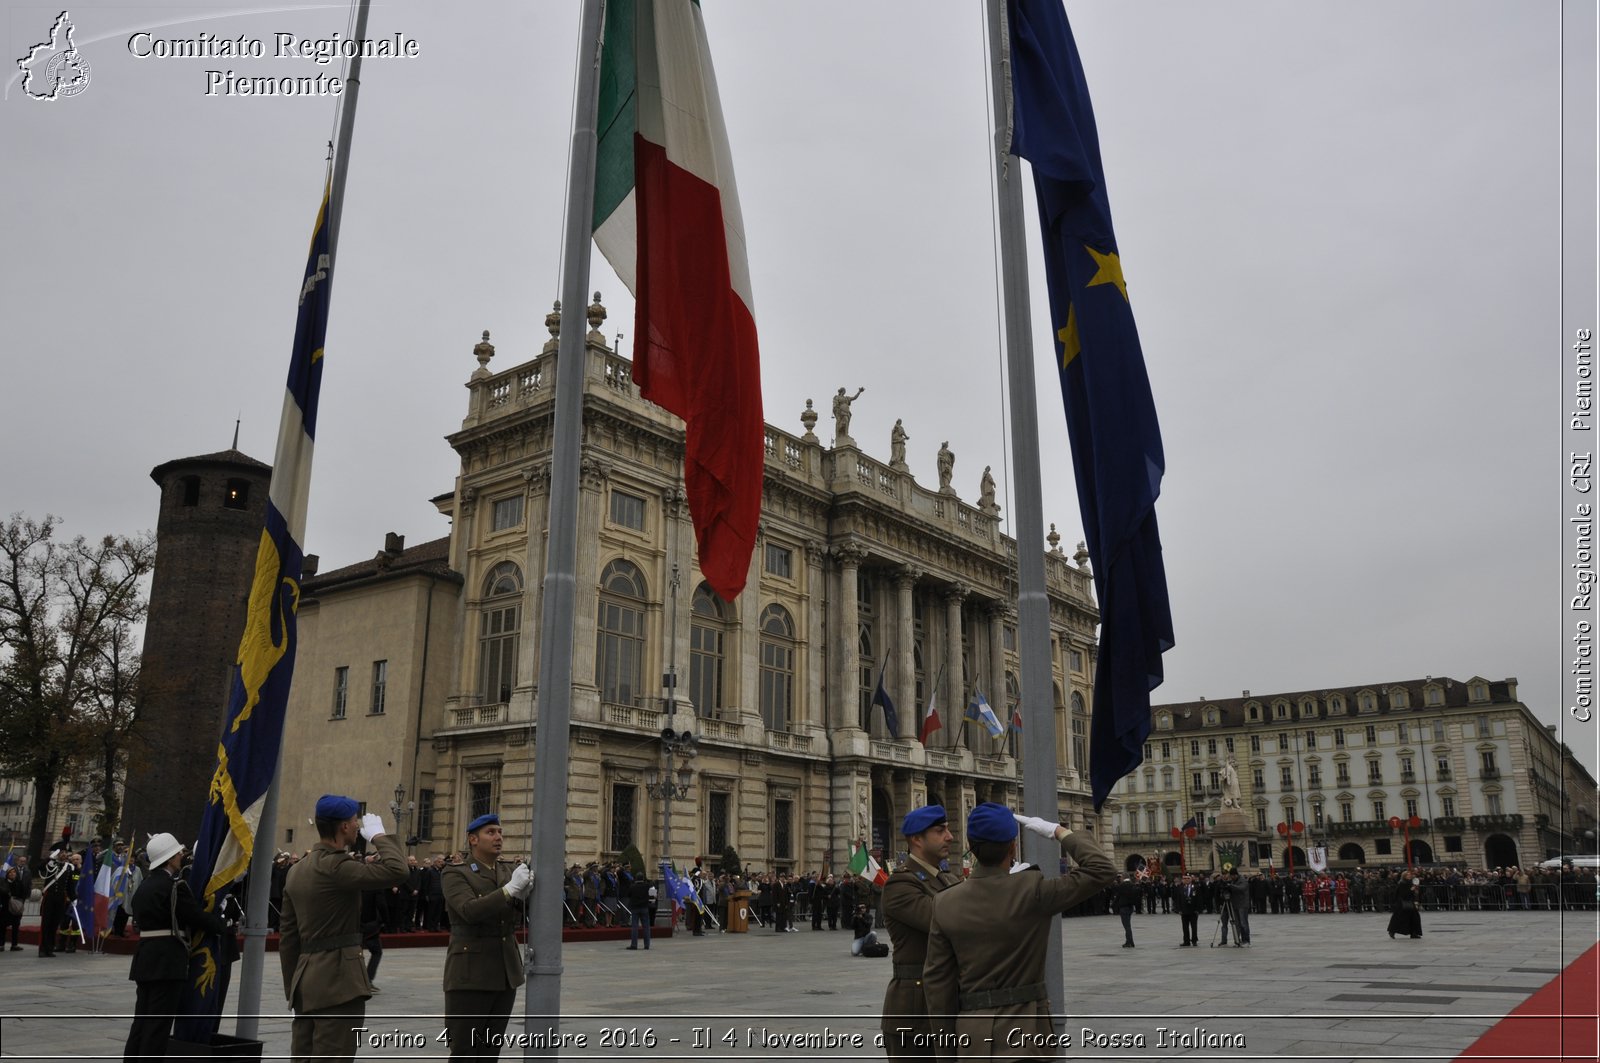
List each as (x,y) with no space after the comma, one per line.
(1080,733)
(499,625)
(707,628)
(619,657)
(777,668)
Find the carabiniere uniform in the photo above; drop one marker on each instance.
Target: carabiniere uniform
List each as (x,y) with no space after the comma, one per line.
(907,908)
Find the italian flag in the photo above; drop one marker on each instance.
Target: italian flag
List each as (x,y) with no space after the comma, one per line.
(667,218)
(863,865)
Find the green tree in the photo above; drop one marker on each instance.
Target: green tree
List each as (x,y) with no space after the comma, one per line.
(60,603)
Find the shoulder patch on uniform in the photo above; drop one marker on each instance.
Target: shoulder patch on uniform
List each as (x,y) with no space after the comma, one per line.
(474,867)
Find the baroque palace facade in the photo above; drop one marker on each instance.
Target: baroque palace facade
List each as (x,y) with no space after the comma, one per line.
(1491,784)
(417,682)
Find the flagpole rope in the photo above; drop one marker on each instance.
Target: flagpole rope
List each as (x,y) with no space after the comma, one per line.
(999,315)
(344,70)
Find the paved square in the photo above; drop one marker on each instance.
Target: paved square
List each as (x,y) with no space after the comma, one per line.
(1325,987)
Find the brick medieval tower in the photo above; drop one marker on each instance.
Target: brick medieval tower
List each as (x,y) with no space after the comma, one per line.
(213,508)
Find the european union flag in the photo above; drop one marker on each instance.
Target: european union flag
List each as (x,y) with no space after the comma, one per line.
(1111,415)
(891,719)
(247,756)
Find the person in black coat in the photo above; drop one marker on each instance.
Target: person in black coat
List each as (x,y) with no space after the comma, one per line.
(1406,918)
(1125,898)
(11,887)
(166,911)
(432,894)
(1189,911)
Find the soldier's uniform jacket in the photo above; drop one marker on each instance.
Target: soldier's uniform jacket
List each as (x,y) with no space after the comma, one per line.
(984,973)
(319,928)
(907,911)
(483,954)
(161,905)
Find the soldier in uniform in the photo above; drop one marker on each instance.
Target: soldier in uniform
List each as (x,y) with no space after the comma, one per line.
(984,974)
(166,912)
(320,929)
(483,967)
(907,909)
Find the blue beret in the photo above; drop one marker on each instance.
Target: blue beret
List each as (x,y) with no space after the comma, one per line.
(920,819)
(483,821)
(990,822)
(332,806)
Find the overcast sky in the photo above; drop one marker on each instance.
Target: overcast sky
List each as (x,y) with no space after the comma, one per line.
(1339,223)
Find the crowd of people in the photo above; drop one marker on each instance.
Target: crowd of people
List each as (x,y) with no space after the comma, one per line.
(1367,890)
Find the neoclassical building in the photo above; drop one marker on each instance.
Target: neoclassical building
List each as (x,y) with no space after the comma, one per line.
(1492,785)
(419,668)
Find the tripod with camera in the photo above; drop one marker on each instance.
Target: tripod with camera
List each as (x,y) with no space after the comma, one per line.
(1227,917)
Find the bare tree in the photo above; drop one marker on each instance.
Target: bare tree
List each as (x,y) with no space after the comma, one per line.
(109,719)
(59,605)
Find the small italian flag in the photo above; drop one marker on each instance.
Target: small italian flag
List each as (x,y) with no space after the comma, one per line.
(666,216)
(863,865)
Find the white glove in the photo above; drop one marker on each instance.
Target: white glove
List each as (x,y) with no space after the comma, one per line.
(521,882)
(1042,827)
(372,826)
(1019,866)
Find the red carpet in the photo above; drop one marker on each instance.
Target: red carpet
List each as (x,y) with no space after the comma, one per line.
(1558,1022)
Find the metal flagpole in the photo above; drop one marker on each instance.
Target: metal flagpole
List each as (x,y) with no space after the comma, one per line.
(255,923)
(1039,792)
(542,1002)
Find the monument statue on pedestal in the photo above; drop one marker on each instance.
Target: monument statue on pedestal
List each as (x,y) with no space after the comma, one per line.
(947,467)
(841,415)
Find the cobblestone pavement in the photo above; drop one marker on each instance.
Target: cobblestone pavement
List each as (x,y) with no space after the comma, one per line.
(1325,987)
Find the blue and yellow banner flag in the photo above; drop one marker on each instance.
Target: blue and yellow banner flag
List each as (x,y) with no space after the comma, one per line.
(680,889)
(247,756)
(1111,414)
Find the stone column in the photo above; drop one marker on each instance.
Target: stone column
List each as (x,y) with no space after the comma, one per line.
(847,638)
(592,478)
(816,634)
(997,668)
(747,646)
(536,518)
(905,581)
(955,692)
(462,547)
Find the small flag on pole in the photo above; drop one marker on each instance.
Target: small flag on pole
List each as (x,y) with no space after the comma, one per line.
(891,719)
(980,711)
(858,859)
(930,719)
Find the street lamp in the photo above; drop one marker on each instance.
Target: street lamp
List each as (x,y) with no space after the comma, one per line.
(1289,830)
(402,812)
(662,785)
(1396,823)
(1183,834)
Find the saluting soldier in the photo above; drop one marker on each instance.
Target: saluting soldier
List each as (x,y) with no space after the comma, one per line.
(319,929)
(984,975)
(166,911)
(907,910)
(483,967)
